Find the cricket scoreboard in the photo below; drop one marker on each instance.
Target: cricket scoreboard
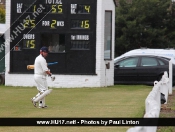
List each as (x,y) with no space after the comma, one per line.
(66,27)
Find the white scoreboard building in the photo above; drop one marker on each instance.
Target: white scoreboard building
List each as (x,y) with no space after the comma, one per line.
(80,36)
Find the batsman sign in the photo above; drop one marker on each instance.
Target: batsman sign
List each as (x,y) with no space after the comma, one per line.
(30,67)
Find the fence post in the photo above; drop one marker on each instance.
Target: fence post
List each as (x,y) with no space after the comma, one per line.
(165,86)
(170,76)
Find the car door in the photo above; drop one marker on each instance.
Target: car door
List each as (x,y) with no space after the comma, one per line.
(148,70)
(125,70)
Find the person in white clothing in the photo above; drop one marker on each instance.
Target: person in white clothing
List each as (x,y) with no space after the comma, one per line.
(40,73)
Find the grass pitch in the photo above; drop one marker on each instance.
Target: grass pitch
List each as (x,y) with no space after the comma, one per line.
(116,101)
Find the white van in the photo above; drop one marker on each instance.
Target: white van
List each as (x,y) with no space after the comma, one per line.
(168,53)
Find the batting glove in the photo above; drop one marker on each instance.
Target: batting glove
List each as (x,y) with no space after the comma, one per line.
(52,77)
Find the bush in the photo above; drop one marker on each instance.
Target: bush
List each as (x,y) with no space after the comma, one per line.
(2,14)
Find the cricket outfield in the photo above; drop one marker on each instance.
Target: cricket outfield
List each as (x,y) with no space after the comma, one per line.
(116,101)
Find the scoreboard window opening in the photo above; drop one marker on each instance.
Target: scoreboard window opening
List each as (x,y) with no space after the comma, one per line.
(17,48)
(55,42)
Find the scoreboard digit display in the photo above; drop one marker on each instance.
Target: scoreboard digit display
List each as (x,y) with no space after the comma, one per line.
(66,27)
(80,9)
(81,24)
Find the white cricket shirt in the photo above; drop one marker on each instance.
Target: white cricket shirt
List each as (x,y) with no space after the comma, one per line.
(40,66)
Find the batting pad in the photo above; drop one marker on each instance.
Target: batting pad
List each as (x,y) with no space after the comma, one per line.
(43,95)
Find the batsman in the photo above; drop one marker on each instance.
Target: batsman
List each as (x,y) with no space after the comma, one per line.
(40,74)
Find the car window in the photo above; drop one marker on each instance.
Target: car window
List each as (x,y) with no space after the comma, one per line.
(148,61)
(130,62)
(161,62)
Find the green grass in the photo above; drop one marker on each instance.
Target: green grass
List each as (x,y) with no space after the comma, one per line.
(115,101)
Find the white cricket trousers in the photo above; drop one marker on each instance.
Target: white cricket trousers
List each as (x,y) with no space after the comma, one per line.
(41,84)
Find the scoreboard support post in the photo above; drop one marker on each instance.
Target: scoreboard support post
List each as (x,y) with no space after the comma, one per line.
(79,35)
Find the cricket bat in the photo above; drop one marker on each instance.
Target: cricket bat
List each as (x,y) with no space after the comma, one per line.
(30,67)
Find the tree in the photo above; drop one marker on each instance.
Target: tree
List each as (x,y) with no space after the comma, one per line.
(144,23)
(2,14)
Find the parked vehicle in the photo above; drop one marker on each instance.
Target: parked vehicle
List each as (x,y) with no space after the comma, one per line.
(168,53)
(140,69)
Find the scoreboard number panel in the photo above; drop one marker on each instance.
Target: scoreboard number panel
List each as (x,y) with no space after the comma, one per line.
(80,24)
(29,44)
(68,25)
(29,23)
(29,41)
(55,9)
(80,9)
